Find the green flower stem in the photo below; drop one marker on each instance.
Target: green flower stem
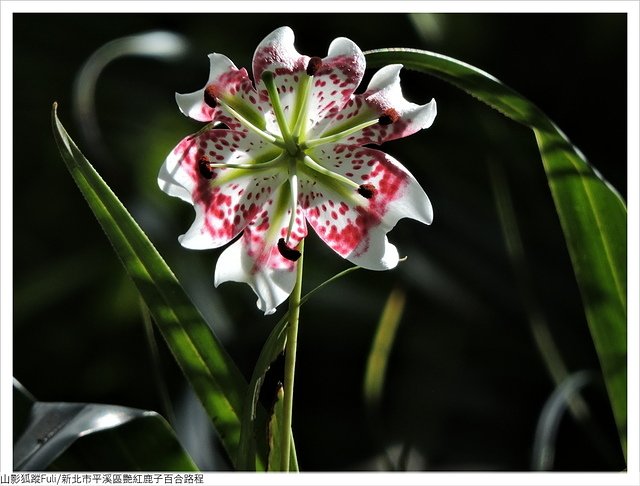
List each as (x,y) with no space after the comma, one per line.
(290,363)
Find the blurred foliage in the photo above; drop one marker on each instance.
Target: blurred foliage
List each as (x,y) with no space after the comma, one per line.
(465,383)
(59,436)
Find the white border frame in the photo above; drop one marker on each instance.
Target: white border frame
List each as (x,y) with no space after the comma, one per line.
(631,8)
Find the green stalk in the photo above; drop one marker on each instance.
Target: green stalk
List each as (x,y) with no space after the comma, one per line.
(290,363)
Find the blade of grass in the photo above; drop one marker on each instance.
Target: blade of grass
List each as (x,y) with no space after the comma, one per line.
(275,423)
(378,359)
(592,214)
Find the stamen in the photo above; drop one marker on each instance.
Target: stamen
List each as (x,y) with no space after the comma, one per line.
(314,65)
(267,78)
(302,101)
(334,137)
(210,96)
(388,117)
(293,186)
(259,166)
(367,190)
(339,184)
(287,252)
(204,167)
(267,164)
(312,164)
(250,126)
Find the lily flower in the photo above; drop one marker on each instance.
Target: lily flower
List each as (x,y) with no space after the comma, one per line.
(290,149)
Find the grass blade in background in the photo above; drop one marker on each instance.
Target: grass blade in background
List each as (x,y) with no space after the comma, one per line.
(214,376)
(592,214)
(378,359)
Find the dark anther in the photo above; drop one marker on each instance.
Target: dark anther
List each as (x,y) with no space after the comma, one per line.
(367,190)
(267,76)
(288,253)
(388,117)
(210,96)
(313,66)
(204,168)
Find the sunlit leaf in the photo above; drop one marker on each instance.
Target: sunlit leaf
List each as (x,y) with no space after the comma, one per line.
(214,376)
(273,346)
(592,214)
(93,437)
(275,424)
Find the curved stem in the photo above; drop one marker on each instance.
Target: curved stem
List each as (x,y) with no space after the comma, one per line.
(290,363)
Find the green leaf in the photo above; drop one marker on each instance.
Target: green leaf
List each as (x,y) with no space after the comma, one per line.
(275,423)
(22,403)
(273,346)
(592,214)
(214,376)
(93,437)
(252,422)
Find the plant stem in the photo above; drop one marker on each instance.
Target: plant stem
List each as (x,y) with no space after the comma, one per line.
(290,363)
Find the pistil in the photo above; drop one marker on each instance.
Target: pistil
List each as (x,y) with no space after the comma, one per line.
(388,117)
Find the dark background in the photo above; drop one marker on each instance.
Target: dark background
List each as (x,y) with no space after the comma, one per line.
(466,382)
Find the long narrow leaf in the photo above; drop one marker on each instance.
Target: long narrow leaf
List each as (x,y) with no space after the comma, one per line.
(275,424)
(93,437)
(592,214)
(214,376)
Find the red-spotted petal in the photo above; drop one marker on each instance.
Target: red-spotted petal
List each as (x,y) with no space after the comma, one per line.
(277,54)
(225,199)
(355,226)
(383,97)
(231,84)
(337,77)
(254,258)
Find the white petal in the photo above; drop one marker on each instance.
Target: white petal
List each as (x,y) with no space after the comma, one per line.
(271,286)
(174,178)
(193,106)
(356,227)
(276,49)
(387,92)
